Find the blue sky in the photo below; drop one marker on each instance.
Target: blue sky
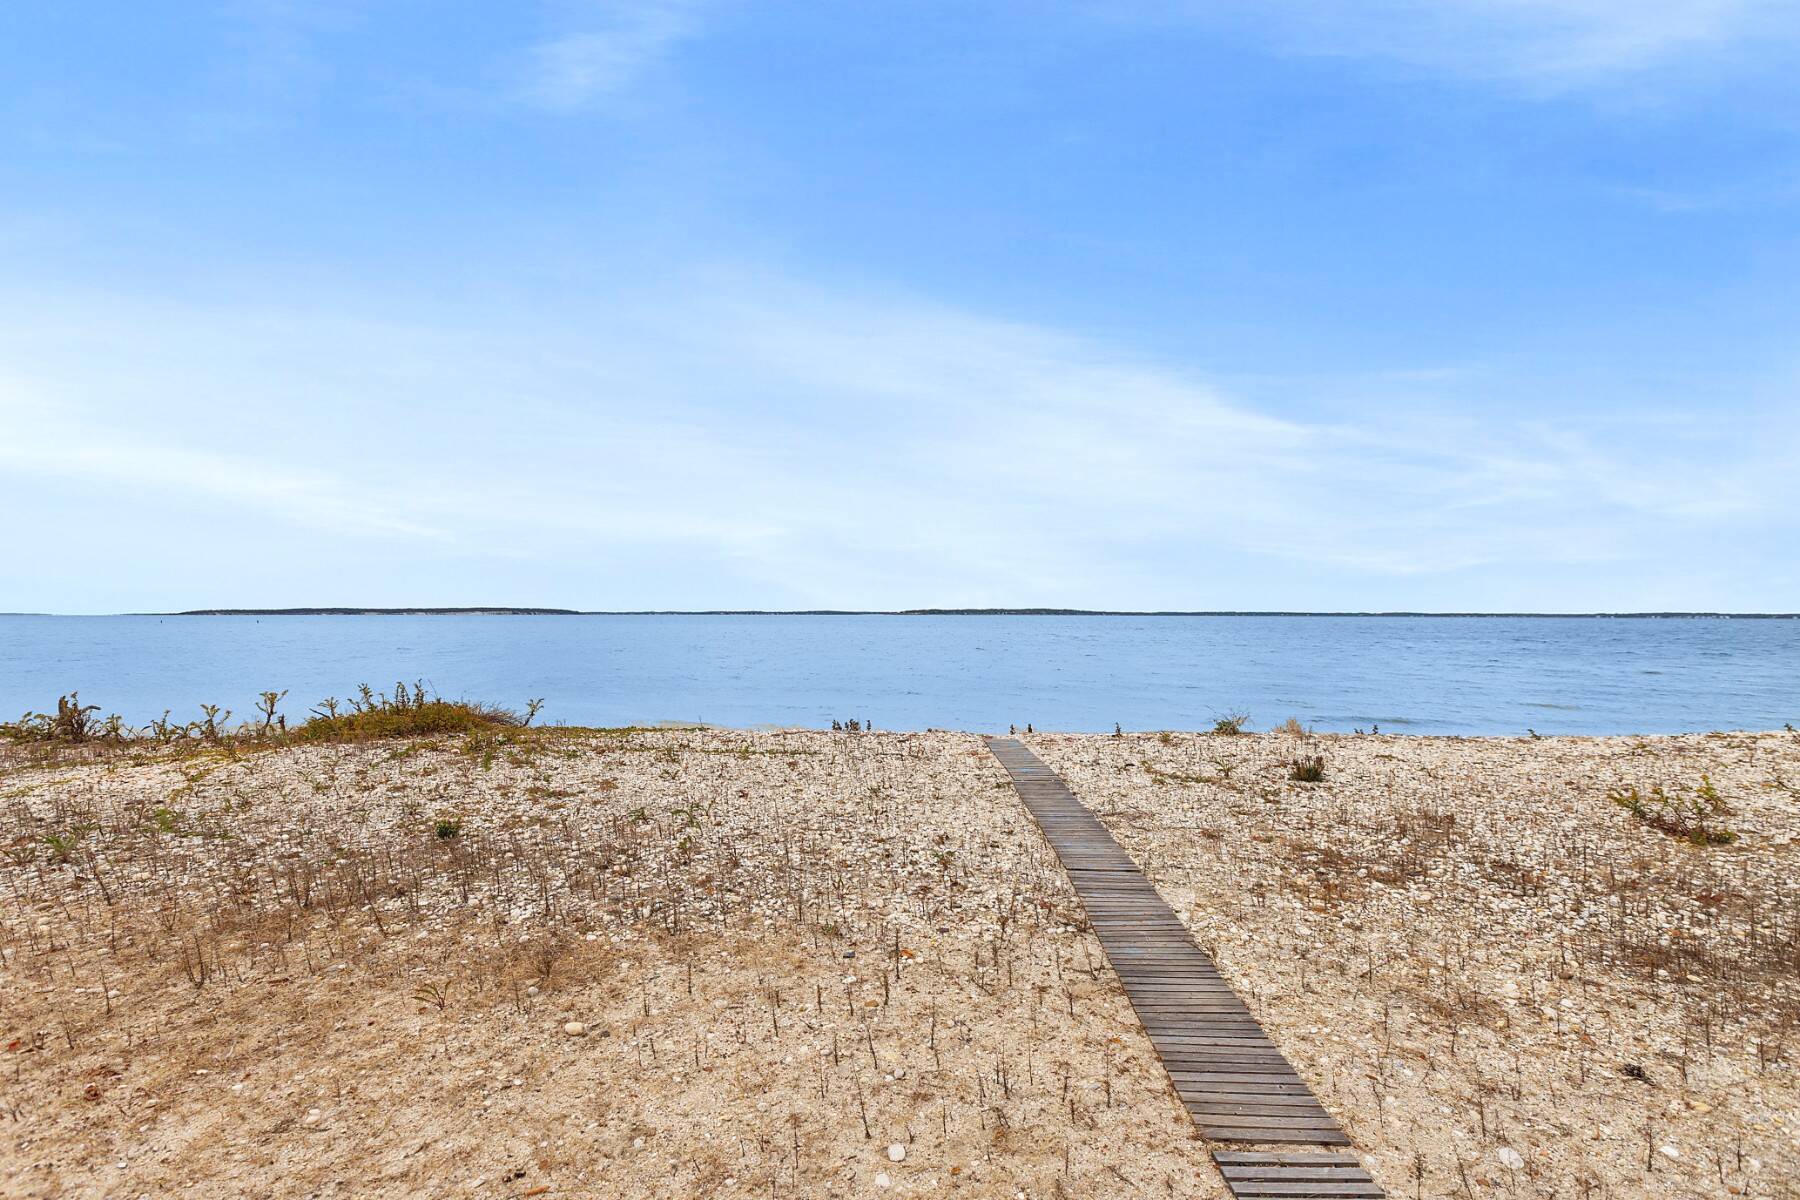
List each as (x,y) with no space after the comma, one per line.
(1470,304)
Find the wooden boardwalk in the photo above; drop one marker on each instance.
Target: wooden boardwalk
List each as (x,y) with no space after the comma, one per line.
(1234,1081)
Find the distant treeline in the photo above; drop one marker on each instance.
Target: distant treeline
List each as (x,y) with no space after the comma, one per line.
(370,612)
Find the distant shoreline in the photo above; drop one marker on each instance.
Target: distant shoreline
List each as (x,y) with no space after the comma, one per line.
(501,611)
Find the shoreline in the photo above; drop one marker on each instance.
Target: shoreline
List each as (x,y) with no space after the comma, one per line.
(247,738)
(504,610)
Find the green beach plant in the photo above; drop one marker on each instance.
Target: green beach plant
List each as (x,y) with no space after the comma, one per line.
(409,712)
(1307,769)
(213,728)
(72,723)
(62,845)
(165,730)
(412,711)
(1691,818)
(267,719)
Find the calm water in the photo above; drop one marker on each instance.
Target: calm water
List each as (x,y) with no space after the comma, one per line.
(1414,675)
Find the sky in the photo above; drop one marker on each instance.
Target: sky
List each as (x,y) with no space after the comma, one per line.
(1459,305)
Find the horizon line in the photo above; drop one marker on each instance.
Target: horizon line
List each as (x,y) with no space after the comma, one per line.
(520,610)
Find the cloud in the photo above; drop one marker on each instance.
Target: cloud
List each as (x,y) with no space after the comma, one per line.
(1542,45)
(605,56)
(1772,190)
(48,441)
(1086,453)
(745,439)
(273,61)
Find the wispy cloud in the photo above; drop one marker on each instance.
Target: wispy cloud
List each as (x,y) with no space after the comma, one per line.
(49,441)
(273,62)
(746,439)
(1722,196)
(605,54)
(1547,45)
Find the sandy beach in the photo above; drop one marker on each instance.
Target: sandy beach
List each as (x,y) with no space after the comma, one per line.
(675,963)
(680,600)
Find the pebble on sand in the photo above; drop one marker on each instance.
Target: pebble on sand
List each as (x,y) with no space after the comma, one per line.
(1511,1159)
(575,1029)
(896,1153)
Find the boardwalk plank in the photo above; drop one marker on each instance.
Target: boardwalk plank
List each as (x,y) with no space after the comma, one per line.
(1234,1081)
(1253,1158)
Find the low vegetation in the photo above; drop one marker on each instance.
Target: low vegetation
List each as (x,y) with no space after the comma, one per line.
(408,712)
(73,723)
(1308,768)
(1693,817)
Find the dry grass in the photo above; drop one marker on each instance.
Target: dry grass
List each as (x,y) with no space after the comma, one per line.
(346,969)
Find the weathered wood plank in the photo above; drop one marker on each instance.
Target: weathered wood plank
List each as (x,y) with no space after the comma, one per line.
(1257,1158)
(1296,1174)
(1209,1098)
(1234,1081)
(1301,1188)
(1295,1137)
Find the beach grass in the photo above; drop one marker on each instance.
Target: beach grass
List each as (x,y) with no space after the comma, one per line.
(693,961)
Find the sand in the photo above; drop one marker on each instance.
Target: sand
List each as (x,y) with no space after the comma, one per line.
(1478,958)
(676,963)
(797,964)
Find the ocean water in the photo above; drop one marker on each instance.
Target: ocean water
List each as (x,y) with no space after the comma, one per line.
(1453,675)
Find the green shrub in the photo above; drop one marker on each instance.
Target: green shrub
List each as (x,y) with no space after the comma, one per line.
(72,723)
(1231,724)
(1691,818)
(1307,769)
(413,712)
(407,713)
